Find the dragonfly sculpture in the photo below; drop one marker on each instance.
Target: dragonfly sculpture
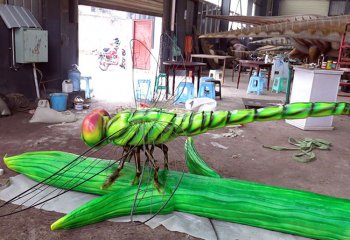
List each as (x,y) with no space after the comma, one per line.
(137,134)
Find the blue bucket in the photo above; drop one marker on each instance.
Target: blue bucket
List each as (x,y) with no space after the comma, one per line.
(59,101)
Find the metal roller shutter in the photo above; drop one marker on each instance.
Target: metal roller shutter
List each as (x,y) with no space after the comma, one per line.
(147,7)
(294,7)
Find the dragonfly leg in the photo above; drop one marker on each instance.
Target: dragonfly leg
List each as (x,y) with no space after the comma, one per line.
(125,151)
(150,158)
(164,148)
(111,179)
(137,158)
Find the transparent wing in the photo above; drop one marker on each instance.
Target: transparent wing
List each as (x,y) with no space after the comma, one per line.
(157,184)
(156,187)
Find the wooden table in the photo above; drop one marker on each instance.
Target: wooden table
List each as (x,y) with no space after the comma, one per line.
(195,67)
(209,56)
(254,64)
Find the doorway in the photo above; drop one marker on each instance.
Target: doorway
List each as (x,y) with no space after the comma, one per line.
(108,53)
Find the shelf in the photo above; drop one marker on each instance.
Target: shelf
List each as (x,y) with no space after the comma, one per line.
(344,69)
(344,63)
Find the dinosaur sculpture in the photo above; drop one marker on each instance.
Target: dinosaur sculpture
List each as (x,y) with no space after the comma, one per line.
(272,45)
(311,36)
(263,20)
(276,41)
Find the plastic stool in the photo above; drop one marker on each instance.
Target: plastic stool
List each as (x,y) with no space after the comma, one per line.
(206,89)
(85,85)
(279,84)
(158,84)
(143,89)
(206,79)
(217,75)
(217,91)
(184,91)
(262,73)
(256,84)
(216,82)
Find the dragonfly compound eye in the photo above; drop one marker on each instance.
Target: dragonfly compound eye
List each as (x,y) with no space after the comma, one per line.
(93,129)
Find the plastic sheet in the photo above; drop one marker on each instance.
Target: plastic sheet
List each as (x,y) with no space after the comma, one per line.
(45,114)
(181,222)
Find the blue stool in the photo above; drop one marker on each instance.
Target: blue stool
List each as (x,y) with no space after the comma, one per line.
(279,84)
(143,89)
(206,89)
(216,82)
(205,79)
(256,84)
(262,73)
(184,91)
(85,85)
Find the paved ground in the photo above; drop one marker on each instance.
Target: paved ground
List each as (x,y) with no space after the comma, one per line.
(241,157)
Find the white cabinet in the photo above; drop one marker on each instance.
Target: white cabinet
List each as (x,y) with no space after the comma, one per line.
(316,85)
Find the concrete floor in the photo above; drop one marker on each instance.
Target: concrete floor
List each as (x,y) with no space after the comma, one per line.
(243,157)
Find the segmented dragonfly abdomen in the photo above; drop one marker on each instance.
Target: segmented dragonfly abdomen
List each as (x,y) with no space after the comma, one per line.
(155,126)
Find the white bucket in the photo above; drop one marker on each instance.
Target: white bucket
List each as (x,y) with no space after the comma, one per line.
(67,86)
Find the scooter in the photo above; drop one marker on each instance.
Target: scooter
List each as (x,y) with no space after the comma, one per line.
(109,56)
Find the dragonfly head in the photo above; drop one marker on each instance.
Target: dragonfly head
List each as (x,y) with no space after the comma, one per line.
(93,129)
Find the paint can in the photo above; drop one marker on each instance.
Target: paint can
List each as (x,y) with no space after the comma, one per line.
(78,103)
(78,106)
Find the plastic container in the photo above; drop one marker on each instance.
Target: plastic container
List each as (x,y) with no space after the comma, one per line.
(334,65)
(67,86)
(59,101)
(74,76)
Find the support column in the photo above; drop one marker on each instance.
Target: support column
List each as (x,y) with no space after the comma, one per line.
(225,10)
(165,43)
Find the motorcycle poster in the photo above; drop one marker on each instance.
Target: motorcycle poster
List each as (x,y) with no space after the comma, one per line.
(113,55)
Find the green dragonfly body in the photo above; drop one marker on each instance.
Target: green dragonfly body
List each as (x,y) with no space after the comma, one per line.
(158,126)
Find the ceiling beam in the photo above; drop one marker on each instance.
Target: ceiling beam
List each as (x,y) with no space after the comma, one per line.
(146,7)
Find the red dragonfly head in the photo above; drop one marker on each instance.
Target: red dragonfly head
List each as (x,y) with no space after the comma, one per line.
(93,129)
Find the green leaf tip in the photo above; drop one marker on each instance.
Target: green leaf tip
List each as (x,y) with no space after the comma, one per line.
(57,225)
(7,160)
